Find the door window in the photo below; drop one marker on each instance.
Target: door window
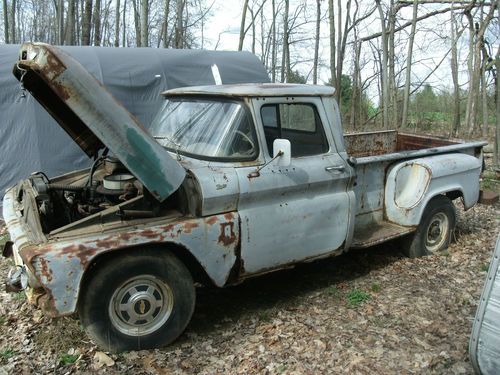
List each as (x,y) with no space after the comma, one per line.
(299,123)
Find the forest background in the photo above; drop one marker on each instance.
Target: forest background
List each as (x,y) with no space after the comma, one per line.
(423,65)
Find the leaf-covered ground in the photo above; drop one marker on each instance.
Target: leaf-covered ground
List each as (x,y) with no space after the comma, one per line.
(366,312)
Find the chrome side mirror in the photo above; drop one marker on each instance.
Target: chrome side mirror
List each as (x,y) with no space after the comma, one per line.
(282,152)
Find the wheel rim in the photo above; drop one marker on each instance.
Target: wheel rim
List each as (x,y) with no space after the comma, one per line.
(141,305)
(437,231)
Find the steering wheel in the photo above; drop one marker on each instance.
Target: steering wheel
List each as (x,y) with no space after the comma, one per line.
(246,138)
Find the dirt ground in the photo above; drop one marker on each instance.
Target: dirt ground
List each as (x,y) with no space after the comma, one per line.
(365,312)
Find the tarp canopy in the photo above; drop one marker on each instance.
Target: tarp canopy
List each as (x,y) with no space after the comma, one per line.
(30,140)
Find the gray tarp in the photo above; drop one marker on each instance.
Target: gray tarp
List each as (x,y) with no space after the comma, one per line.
(30,140)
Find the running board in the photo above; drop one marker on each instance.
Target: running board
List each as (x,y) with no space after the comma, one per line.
(376,233)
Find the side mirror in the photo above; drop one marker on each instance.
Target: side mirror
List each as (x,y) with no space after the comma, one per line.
(282,152)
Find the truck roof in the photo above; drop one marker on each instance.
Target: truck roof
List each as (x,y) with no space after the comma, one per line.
(254,90)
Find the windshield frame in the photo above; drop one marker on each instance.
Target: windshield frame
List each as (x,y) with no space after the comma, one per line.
(204,98)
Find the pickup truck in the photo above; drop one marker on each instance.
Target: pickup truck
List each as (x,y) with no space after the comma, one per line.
(229,182)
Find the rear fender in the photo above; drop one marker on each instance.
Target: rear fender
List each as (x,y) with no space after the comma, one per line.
(411,184)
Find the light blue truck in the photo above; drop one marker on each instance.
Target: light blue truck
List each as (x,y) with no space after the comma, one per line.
(230,182)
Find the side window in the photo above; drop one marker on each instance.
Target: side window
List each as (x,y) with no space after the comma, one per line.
(299,123)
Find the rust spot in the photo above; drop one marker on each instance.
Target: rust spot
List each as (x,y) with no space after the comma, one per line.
(188,227)
(46,272)
(229,216)
(211,220)
(227,235)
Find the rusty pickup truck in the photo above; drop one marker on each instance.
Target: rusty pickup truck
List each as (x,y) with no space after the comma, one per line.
(229,182)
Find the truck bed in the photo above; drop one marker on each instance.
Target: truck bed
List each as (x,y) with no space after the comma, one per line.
(390,141)
(374,153)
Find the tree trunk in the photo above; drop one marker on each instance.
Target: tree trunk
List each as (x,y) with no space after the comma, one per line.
(406,99)
(97,23)
(86,22)
(484,97)
(497,97)
(69,33)
(13,38)
(124,24)
(273,49)
(356,89)
(455,127)
(333,47)
(165,24)
(242,25)
(285,54)
(144,23)
(393,89)
(316,42)
(6,22)
(179,28)
(117,23)
(385,86)
(137,24)
(470,70)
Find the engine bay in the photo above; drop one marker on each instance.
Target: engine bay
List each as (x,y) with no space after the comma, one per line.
(108,183)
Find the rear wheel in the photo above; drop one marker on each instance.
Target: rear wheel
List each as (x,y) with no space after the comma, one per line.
(434,232)
(137,301)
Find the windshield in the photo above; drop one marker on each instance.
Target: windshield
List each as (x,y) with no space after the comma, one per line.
(206,129)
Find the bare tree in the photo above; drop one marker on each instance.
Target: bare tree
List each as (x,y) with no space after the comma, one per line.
(406,99)
(497,99)
(333,48)
(13,14)
(316,43)
(117,23)
(165,23)
(86,22)
(179,28)
(285,57)
(6,21)
(97,22)
(385,83)
(242,26)
(69,32)
(144,23)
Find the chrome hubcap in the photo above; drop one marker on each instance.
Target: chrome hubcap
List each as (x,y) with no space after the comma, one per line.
(141,305)
(437,231)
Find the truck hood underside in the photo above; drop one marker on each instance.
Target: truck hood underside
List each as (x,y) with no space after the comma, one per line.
(94,118)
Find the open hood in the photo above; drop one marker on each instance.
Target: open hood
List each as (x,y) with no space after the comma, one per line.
(94,118)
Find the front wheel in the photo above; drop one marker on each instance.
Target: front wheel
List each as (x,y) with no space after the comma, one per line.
(434,232)
(137,301)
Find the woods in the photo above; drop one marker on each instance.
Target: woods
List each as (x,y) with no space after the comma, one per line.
(378,55)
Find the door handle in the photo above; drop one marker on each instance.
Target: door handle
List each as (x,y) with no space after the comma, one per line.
(336,168)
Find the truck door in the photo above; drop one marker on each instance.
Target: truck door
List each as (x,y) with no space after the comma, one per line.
(302,211)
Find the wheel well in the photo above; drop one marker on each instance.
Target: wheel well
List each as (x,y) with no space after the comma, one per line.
(454,194)
(197,272)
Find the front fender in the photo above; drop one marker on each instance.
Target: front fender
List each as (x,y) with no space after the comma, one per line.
(60,266)
(410,185)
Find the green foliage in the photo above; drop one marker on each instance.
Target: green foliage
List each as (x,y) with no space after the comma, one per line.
(21,296)
(333,291)
(485,267)
(376,287)
(6,353)
(356,297)
(67,359)
(295,77)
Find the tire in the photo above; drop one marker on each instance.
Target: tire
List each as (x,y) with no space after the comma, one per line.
(137,301)
(434,232)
